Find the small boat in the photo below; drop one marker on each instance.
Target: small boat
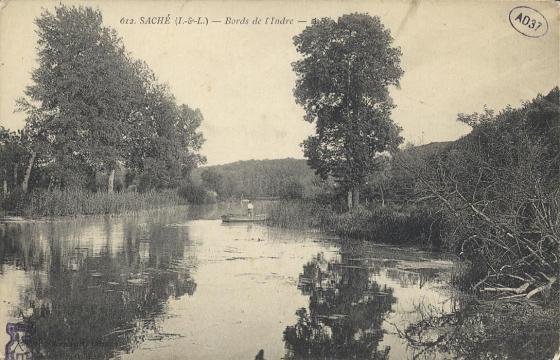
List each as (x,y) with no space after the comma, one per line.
(230,218)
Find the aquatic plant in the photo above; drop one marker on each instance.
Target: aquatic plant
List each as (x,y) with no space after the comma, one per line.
(83,202)
(393,224)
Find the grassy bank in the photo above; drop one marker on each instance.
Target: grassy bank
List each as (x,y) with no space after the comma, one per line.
(82,202)
(390,224)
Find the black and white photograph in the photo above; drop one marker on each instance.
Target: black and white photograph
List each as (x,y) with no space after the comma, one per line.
(279,179)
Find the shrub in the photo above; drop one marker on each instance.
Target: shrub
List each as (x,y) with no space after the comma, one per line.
(194,194)
(498,190)
(14,202)
(391,224)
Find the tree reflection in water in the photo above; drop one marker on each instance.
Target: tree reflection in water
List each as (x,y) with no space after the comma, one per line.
(83,305)
(345,315)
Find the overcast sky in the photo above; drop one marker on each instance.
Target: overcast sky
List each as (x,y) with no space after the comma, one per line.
(457,56)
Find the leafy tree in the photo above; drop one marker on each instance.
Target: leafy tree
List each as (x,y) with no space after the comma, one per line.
(85,90)
(167,149)
(213,180)
(162,142)
(5,157)
(379,181)
(92,108)
(342,84)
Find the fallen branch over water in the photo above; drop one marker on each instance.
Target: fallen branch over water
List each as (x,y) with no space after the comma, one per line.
(521,291)
(541,288)
(517,290)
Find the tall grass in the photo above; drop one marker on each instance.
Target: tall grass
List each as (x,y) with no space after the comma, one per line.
(82,202)
(391,224)
(297,214)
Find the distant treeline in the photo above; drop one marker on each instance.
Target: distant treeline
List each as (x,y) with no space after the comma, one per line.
(294,179)
(283,178)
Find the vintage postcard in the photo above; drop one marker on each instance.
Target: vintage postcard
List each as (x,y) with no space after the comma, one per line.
(279,179)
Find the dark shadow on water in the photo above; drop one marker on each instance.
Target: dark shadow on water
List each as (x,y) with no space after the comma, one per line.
(93,301)
(348,312)
(345,314)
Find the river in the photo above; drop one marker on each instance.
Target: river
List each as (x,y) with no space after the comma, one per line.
(179,284)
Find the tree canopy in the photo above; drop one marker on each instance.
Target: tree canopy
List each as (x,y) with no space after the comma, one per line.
(92,106)
(343,84)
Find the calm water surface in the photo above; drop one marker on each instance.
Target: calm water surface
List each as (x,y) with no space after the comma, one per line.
(179,284)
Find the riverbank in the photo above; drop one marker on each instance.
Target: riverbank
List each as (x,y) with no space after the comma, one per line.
(420,227)
(392,224)
(83,202)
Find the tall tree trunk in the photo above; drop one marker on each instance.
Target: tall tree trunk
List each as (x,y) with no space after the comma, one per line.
(356,197)
(25,183)
(5,183)
(111,181)
(15,176)
(349,199)
(382,196)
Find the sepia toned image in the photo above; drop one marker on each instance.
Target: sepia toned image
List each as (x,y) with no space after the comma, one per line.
(279,179)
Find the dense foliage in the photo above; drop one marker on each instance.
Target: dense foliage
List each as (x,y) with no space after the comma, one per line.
(498,191)
(284,178)
(342,84)
(12,159)
(491,197)
(94,112)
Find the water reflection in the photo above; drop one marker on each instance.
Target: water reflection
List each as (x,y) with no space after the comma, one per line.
(346,311)
(161,285)
(418,277)
(97,289)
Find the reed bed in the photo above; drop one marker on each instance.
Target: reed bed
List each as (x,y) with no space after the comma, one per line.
(395,225)
(391,224)
(298,214)
(82,202)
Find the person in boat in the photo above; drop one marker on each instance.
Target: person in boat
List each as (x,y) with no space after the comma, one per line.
(250,209)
